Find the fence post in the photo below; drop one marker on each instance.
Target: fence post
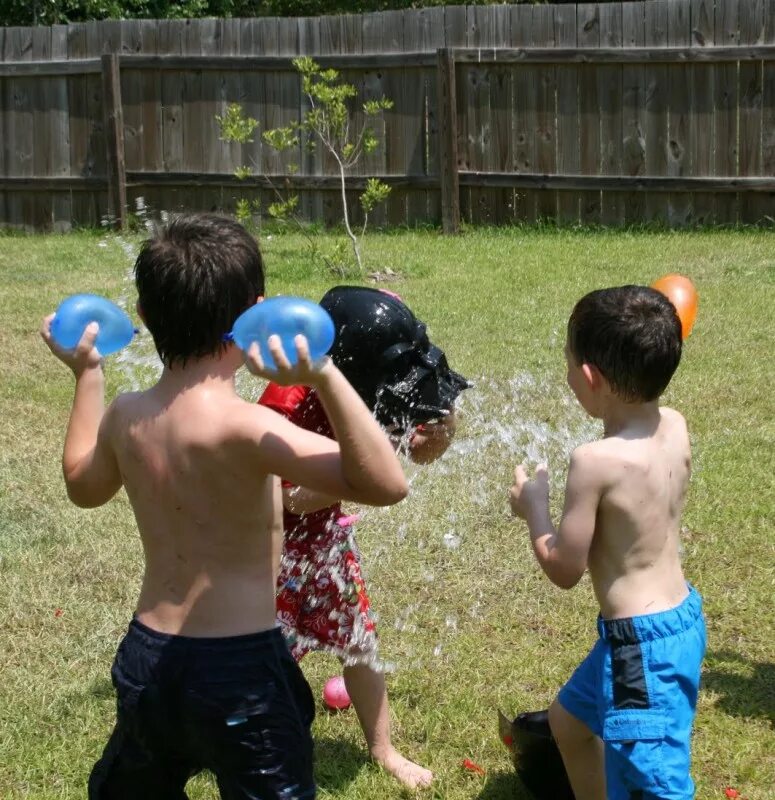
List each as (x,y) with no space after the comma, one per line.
(114,137)
(448,174)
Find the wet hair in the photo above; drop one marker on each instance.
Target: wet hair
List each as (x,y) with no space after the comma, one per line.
(632,334)
(194,277)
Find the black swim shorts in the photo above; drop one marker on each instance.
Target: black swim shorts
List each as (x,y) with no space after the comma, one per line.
(237,706)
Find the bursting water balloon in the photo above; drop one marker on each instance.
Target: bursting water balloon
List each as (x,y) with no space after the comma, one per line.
(77,311)
(287,317)
(680,291)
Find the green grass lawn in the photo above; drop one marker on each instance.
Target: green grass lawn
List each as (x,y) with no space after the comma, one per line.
(467,619)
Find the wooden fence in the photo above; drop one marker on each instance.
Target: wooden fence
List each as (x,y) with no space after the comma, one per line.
(612,113)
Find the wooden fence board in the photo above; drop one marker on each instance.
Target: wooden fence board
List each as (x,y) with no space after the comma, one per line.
(44,113)
(766,204)
(476,99)
(633,111)
(750,98)
(766,210)
(195,115)
(546,88)
(657,81)
(351,42)
(19,128)
(486,28)
(423,31)
(449,184)
(311,163)
(702,125)
(59,122)
(132,93)
(680,207)
(151,150)
(79,121)
(455,26)
(4,122)
(456,35)
(588,21)
(170,43)
(393,139)
(500,118)
(376,36)
(230,90)
(568,154)
(609,87)
(525,122)
(726,97)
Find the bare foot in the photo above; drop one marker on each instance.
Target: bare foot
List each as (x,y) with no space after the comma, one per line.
(410,774)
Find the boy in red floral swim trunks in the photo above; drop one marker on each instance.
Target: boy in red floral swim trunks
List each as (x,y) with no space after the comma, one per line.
(322,603)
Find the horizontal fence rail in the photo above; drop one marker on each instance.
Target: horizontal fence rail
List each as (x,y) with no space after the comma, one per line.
(611,113)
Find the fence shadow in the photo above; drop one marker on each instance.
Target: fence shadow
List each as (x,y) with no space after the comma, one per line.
(745,688)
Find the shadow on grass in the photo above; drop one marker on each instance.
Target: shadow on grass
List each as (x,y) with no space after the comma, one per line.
(504,786)
(741,695)
(337,763)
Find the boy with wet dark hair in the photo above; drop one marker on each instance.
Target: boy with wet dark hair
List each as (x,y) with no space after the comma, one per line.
(629,334)
(623,721)
(203,677)
(190,293)
(322,602)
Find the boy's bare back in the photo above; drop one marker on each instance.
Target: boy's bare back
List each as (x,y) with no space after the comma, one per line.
(209,519)
(642,474)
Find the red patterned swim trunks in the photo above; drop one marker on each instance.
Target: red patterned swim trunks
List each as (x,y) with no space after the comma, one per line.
(322,602)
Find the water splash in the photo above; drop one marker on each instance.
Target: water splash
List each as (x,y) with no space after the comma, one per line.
(530,417)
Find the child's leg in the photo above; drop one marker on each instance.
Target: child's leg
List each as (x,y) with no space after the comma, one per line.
(582,753)
(367,691)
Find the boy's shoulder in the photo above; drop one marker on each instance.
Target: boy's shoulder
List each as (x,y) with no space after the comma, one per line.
(600,462)
(123,407)
(672,417)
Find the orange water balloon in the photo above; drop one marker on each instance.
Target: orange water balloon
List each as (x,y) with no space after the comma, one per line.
(680,291)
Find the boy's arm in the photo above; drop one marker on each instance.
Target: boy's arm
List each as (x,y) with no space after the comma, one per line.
(428,443)
(300,500)
(360,465)
(89,465)
(563,552)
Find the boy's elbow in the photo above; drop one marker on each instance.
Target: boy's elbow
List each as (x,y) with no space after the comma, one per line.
(565,581)
(88,495)
(563,576)
(78,497)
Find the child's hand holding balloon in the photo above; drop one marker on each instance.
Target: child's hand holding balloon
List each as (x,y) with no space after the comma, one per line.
(285,340)
(301,372)
(80,358)
(84,328)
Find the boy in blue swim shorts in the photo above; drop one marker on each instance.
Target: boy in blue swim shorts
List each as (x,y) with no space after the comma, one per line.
(623,721)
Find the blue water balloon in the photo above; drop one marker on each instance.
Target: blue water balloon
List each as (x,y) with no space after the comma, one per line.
(287,317)
(76,312)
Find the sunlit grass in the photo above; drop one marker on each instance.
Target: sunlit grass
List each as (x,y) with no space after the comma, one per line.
(465,615)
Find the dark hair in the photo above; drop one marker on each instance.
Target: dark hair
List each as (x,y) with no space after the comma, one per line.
(194,278)
(632,334)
